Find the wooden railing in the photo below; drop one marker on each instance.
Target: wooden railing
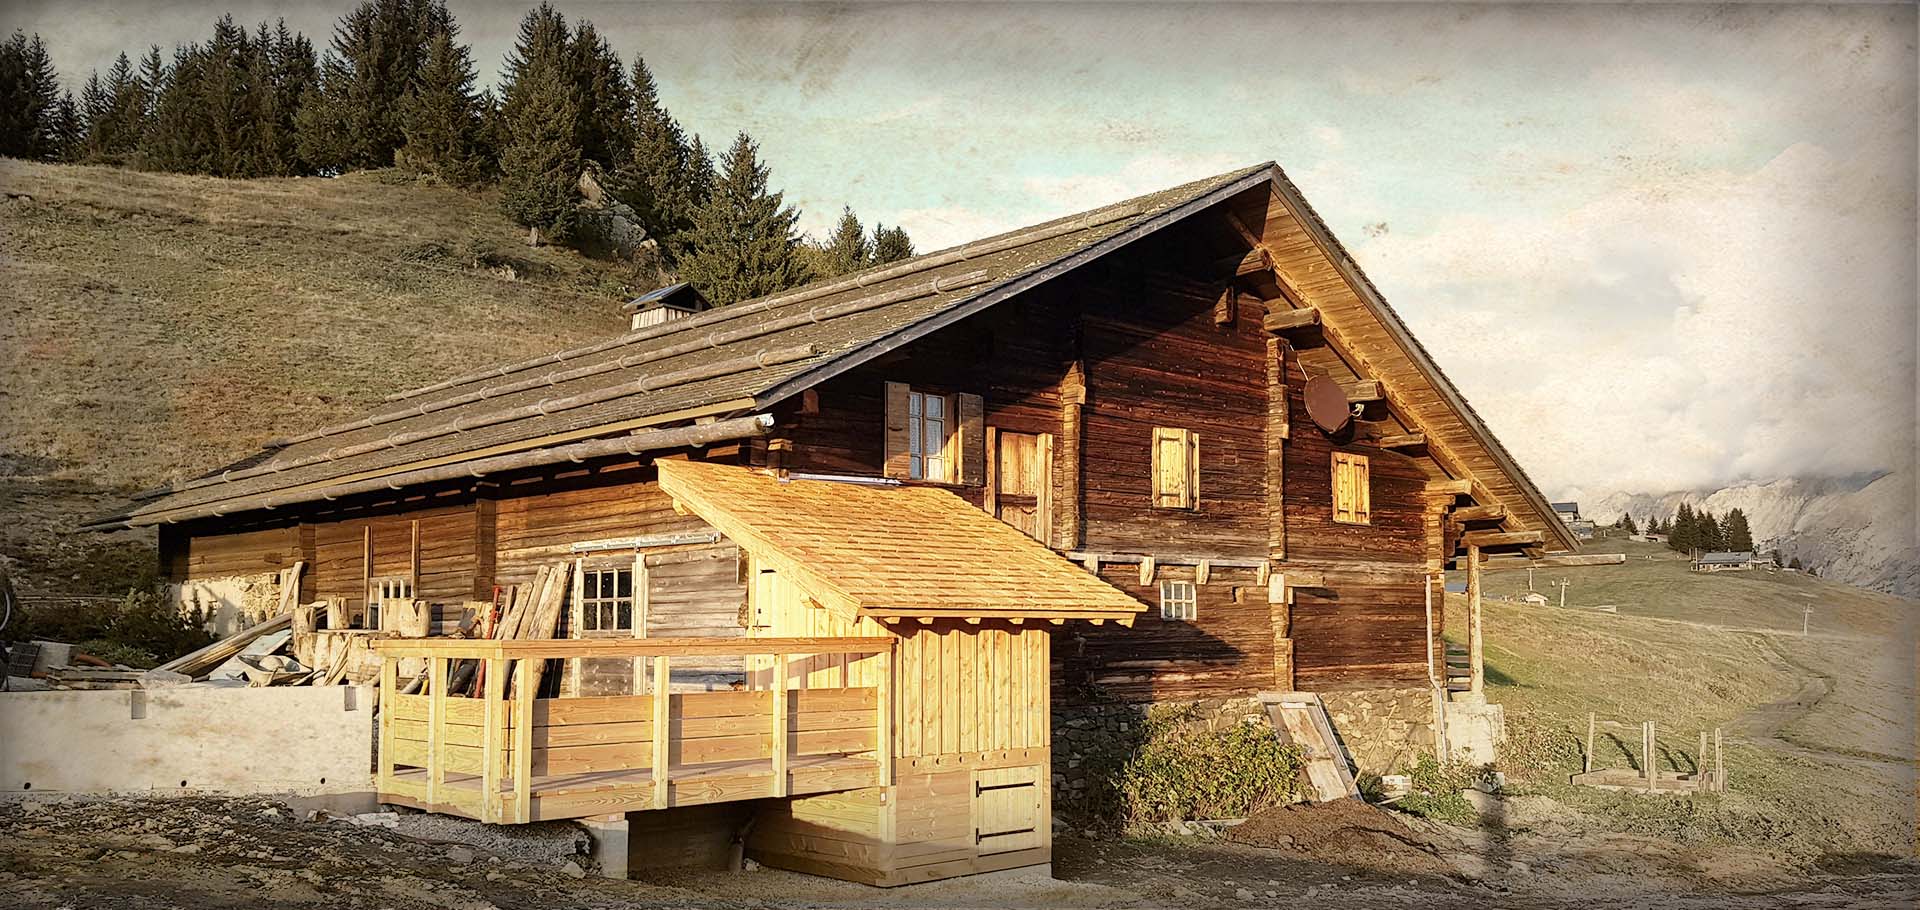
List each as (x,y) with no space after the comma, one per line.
(506,756)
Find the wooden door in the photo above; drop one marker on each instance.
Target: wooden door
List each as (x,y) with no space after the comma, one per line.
(1022,480)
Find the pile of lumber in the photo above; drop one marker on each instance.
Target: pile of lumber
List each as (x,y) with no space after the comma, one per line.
(526,612)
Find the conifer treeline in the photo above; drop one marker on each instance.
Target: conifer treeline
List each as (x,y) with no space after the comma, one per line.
(1689,530)
(395,87)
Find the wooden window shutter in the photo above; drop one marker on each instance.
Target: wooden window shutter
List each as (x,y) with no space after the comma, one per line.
(1362,490)
(1352,500)
(894,448)
(1175,468)
(970,434)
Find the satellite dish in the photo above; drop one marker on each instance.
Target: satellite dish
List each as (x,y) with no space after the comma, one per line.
(1327,404)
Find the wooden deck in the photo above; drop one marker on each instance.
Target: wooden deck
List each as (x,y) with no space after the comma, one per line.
(815,724)
(587,793)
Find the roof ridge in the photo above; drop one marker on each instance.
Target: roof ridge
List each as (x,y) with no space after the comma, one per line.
(995,243)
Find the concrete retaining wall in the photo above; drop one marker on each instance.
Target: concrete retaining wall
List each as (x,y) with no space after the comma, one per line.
(194,739)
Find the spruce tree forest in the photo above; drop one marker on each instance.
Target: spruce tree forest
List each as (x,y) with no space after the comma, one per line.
(395,88)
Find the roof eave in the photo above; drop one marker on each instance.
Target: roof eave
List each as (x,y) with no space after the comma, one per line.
(1350,270)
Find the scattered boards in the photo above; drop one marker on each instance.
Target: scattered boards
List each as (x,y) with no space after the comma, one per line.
(1300,719)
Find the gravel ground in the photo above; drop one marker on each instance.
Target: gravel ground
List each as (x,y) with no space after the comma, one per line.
(206,853)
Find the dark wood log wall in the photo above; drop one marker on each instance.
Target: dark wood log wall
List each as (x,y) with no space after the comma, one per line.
(1367,623)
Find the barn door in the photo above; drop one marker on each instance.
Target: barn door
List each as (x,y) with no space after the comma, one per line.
(1006,809)
(1022,469)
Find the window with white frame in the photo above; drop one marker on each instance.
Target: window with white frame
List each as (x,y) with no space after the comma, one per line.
(928,433)
(606,600)
(1179,600)
(382,591)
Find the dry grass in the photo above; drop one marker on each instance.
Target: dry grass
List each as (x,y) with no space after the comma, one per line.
(1693,652)
(154,326)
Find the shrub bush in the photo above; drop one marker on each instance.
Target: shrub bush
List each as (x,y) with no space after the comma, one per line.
(1182,770)
(1436,790)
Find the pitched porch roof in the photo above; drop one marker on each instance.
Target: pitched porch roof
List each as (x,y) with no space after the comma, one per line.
(890,552)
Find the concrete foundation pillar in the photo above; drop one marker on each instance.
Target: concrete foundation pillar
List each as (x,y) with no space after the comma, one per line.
(609,834)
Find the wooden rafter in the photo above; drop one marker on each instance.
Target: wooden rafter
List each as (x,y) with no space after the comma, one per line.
(1489,539)
(1282,320)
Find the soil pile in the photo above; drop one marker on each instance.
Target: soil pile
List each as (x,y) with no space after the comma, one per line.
(1345,832)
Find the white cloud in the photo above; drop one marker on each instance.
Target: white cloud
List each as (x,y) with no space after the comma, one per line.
(1706,328)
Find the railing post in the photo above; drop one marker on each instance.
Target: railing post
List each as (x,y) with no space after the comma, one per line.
(492,739)
(662,731)
(522,749)
(780,782)
(436,728)
(389,695)
(883,738)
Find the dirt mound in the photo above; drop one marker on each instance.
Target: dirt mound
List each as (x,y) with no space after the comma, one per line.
(1345,832)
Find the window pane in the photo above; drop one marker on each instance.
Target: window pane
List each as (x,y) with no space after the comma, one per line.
(936,406)
(913,404)
(626,616)
(626,583)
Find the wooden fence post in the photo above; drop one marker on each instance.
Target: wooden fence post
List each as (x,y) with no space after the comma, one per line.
(436,729)
(1590,725)
(883,738)
(662,730)
(780,725)
(522,745)
(492,739)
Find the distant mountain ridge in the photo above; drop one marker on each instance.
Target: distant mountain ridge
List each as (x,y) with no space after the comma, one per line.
(1858,529)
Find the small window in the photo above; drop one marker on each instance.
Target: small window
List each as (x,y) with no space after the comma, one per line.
(382,591)
(929,436)
(1352,498)
(1176,468)
(606,600)
(1179,600)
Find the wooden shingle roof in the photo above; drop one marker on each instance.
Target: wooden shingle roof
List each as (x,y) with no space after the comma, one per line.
(890,551)
(731,360)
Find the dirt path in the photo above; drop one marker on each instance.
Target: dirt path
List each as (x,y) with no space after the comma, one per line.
(1770,725)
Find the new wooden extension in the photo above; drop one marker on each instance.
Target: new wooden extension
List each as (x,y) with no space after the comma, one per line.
(579,757)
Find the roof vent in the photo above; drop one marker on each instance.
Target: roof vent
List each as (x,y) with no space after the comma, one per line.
(675,301)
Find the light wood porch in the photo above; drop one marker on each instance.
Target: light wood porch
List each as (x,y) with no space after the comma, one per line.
(815,721)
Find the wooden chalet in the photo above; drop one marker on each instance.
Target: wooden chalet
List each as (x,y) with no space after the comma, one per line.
(833,556)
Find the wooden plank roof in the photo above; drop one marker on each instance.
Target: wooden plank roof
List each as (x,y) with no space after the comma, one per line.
(891,551)
(725,361)
(746,357)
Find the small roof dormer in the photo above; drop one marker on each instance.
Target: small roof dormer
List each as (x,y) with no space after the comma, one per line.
(675,301)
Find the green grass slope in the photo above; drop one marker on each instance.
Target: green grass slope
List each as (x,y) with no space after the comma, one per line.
(155,326)
(1819,728)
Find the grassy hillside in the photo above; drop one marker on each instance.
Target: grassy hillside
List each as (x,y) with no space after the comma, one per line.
(154,326)
(1819,729)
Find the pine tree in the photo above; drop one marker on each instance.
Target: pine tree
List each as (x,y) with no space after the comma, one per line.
(1739,537)
(1626,524)
(606,102)
(153,81)
(29,94)
(890,244)
(1682,538)
(743,239)
(95,110)
(69,130)
(1708,532)
(657,177)
(540,167)
(174,137)
(847,250)
(376,54)
(443,118)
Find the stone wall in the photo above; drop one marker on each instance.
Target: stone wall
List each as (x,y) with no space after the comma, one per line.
(228,604)
(1383,730)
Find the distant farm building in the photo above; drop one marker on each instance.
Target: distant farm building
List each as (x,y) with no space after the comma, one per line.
(1722,562)
(1569,512)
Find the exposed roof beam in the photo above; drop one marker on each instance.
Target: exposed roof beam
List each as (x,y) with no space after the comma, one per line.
(1363,390)
(1281,320)
(1402,441)
(1449,487)
(1487,539)
(1465,514)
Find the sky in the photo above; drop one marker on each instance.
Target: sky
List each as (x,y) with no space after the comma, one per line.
(1657,247)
